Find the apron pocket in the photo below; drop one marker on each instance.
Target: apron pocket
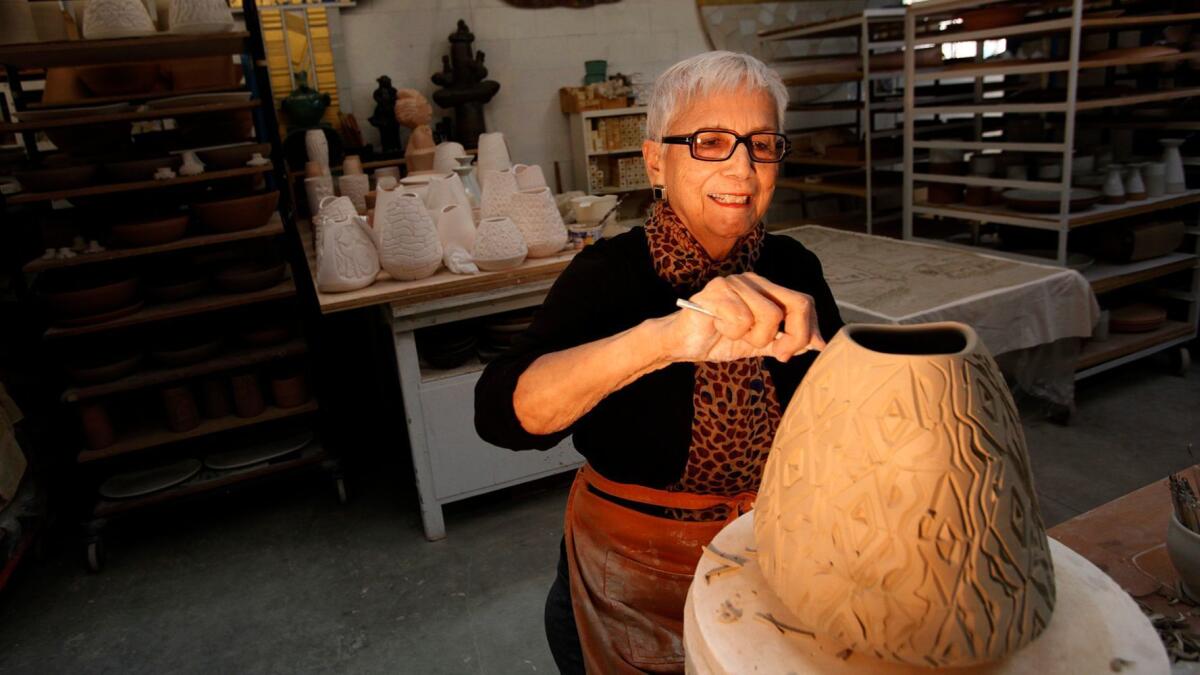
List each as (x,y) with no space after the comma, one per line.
(648,604)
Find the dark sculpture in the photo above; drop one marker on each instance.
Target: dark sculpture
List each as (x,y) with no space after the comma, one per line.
(384,117)
(464,87)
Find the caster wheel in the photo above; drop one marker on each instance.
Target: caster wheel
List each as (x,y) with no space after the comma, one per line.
(340,483)
(95,556)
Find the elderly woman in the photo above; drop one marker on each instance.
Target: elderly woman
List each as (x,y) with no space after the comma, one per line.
(674,410)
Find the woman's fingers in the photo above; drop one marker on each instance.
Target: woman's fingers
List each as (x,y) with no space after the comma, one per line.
(766,314)
(733,318)
(800,315)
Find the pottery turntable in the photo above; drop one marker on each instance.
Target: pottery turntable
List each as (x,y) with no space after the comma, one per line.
(897,531)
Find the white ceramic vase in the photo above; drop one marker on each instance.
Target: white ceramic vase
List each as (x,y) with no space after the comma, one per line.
(16,22)
(536,215)
(346,256)
(200,16)
(407,239)
(1135,187)
(445,156)
(499,186)
(1155,176)
(386,172)
(466,173)
(1175,179)
(1114,186)
(456,231)
(529,176)
(446,190)
(191,166)
(105,19)
(316,189)
(493,155)
(499,244)
(355,186)
(318,148)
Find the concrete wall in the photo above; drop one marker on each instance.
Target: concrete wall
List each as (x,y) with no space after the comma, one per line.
(530,52)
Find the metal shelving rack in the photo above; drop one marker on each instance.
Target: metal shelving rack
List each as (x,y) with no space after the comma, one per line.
(1073,22)
(296,288)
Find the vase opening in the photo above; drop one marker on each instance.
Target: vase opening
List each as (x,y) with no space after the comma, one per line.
(940,340)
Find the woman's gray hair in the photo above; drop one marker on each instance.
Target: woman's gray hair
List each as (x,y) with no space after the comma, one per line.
(704,74)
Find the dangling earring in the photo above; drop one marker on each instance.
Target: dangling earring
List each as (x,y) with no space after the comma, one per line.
(659,192)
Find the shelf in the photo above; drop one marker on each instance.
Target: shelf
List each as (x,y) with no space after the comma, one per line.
(834,188)
(135,116)
(1059,106)
(1118,345)
(613,112)
(156,47)
(593,153)
(156,376)
(1007,146)
(114,188)
(1097,214)
(272,228)
(209,480)
(619,190)
(1105,277)
(1051,26)
(430,374)
(131,98)
(986,181)
(819,160)
(152,313)
(141,439)
(1134,21)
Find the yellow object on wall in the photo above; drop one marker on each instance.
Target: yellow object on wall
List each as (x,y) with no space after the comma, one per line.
(299,41)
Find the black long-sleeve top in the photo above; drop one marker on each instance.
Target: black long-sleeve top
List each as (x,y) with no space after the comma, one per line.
(641,433)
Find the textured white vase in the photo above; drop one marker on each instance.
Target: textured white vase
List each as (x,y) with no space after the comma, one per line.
(317,188)
(499,186)
(446,190)
(329,207)
(318,148)
(536,215)
(499,244)
(456,231)
(409,248)
(445,156)
(346,256)
(16,23)
(200,16)
(493,155)
(529,176)
(1176,181)
(105,19)
(355,186)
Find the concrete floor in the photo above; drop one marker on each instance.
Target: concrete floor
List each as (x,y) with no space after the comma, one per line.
(286,580)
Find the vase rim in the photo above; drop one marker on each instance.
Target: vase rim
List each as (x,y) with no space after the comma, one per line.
(969,339)
(1193,536)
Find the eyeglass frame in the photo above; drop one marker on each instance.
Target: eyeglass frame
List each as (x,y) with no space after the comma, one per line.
(689,140)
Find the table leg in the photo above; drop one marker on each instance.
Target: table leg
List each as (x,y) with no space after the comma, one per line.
(409,371)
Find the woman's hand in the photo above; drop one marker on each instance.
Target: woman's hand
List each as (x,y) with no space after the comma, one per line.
(750,310)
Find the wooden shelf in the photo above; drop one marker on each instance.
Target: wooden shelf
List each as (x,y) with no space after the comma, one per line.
(114,188)
(141,439)
(135,116)
(1135,21)
(1118,345)
(208,481)
(833,187)
(156,47)
(272,228)
(156,376)
(1059,106)
(1097,214)
(1105,277)
(152,313)
(1030,28)
(131,98)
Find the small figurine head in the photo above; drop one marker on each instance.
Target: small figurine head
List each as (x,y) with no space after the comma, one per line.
(384,81)
(412,109)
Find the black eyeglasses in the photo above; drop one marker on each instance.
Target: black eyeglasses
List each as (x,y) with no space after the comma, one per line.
(718,145)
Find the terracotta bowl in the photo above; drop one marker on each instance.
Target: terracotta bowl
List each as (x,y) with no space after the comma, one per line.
(150,232)
(182,349)
(235,215)
(96,368)
(134,170)
(264,333)
(993,17)
(82,296)
(249,276)
(289,388)
(180,284)
(203,72)
(57,178)
(120,79)
(233,156)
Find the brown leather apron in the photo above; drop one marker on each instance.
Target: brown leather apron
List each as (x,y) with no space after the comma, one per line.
(630,571)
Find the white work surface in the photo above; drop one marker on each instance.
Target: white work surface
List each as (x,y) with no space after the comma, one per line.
(1011,304)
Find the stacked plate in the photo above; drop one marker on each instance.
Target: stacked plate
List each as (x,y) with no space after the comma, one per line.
(501,331)
(447,346)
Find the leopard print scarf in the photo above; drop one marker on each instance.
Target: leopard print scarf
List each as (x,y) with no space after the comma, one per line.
(736,408)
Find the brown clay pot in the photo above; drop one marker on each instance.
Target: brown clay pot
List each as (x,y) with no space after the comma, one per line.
(179,285)
(215,397)
(235,215)
(205,72)
(97,427)
(101,367)
(56,178)
(120,79)
(181,409)
(248,277)
(81,297)
(247,395)
(150,232)
(289,389)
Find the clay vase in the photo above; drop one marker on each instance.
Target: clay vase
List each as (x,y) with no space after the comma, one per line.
(317,189)
(444,191)
(352,165)
(499,186)
(537,216)
(1135,187)
(455,227)
(182,412)
(215,398)
(346,255)
(499,245)
(445,156)
(200,16)
(97,428)
(327,209)
(493,155)
(305,106)
(1155,176)
(318,148)
(289,389)
(247,395)
(897,514)
(1176,181)
(405,236)
(529,176)
(1183,547)
(17,25)
(355,186)
(106,19)
(1114,185)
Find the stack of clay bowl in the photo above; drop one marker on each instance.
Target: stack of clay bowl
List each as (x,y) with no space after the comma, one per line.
(87,298)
